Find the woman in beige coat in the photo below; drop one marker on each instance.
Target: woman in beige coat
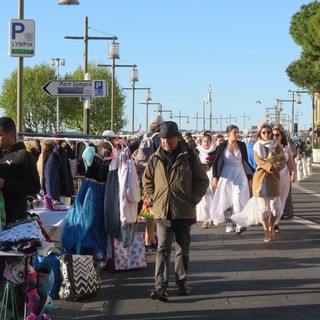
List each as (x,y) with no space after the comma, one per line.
(265,205)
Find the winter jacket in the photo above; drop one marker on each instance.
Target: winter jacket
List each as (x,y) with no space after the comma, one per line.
(58,176)
(18,169)
(174,194)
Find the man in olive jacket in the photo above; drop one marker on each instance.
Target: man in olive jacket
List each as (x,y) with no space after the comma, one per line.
(174,182)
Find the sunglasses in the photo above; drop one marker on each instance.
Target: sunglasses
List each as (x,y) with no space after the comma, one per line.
(265,132)
(276,134)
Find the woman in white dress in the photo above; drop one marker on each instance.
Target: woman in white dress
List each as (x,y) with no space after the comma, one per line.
(287,174)
(264,206)
(206,154)
(232,177)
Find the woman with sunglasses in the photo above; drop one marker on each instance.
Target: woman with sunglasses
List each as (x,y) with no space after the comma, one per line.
(265,205)
(287,174)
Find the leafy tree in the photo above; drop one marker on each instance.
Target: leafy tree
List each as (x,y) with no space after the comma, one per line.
(100,108)
(305,31)
(39,109)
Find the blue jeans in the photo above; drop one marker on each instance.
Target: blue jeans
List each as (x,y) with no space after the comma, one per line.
(180,229)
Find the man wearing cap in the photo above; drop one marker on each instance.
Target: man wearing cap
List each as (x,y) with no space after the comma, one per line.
(174,182)
(155,121)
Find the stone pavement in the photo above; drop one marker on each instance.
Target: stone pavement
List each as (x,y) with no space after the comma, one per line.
(231,277)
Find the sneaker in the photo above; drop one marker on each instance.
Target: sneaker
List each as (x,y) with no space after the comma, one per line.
(287,216)
(240,229)
(276,228)
(229,228)
(159,294)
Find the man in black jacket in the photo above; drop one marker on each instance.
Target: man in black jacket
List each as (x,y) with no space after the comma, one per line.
(18,172)
(18,179)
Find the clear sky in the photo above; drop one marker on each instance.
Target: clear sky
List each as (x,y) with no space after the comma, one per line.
(180,47)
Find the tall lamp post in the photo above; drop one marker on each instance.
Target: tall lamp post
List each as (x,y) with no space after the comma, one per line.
(296,98)
(221,118)
(244,120)
(209,99)
(133,79)
(114,52)
(160,110)
(56,62)
(180,116)
(133,89)
(147,103)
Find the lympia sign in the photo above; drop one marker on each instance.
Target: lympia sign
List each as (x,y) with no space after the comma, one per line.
(21,38)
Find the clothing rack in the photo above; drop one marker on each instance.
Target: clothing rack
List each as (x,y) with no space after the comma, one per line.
(69,136)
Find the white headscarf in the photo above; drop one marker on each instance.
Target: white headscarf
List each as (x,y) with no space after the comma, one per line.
(203,152)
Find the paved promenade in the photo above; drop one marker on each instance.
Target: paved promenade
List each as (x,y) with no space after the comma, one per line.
(231,277)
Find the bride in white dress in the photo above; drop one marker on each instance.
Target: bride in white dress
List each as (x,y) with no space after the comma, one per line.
(232,177)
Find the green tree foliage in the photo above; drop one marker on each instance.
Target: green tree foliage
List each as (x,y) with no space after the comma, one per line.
(39,109)
(305,31)
(100,108)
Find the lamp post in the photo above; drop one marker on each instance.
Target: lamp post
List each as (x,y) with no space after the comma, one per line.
(115,52)
(209,99)
(296,97)
(133,89)
(147,103)
(244,120)
(230,118)
(160,110)
(180,116)
(56,62)
(133,79)
(204,115)
(221,118)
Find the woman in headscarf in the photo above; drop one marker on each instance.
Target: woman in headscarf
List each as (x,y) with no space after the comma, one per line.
(206,155)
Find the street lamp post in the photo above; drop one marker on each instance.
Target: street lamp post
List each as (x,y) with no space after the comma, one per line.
(181,116)
(210,101)
(230,118)
(204,115)
(115,53)
(147,103)
(221,118)
(296,97)
(244,120)
(160,110)
(134,88)
(56,62)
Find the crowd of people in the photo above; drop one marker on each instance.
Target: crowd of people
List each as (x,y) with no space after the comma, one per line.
(212,179)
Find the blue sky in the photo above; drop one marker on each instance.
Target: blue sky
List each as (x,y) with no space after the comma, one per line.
(240,48)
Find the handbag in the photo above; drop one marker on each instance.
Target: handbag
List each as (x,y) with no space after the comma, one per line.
(132,257)
(79,277)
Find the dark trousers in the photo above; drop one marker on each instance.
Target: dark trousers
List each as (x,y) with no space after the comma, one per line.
(288,208)
(179,229)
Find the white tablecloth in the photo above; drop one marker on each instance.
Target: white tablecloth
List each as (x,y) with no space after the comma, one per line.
(51,218)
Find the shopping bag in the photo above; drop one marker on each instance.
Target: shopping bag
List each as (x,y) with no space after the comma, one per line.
(133,257)
(79,277)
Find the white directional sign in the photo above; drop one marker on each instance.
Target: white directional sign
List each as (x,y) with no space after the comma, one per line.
(21,38)
(76,88)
